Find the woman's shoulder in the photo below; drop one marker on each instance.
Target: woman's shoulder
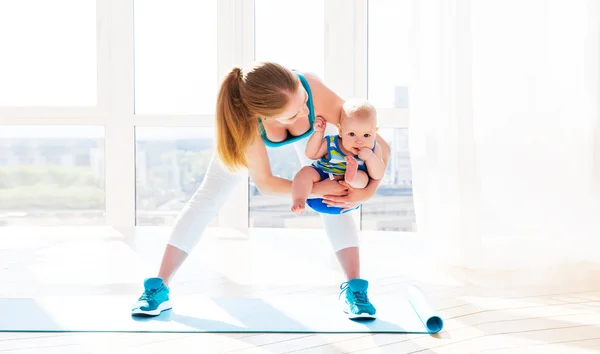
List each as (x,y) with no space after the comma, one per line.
(326,102)
(310,76)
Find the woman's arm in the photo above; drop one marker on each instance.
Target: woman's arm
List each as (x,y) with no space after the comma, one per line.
(327,103)
(259,169)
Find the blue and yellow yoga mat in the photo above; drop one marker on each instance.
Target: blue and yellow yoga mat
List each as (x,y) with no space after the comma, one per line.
(290,313)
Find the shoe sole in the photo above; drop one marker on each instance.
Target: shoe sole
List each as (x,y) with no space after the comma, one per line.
(353,316)
(162,307)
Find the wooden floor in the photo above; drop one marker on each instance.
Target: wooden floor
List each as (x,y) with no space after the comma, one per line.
(534,311)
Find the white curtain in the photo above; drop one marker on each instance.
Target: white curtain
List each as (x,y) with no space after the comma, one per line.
(504,134)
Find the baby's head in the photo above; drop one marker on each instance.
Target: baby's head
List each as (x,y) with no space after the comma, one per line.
(358,126)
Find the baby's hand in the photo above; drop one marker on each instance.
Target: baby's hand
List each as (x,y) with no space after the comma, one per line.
(365,154)
(319,125)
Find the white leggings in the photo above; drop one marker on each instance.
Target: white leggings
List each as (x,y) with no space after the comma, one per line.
(214,191)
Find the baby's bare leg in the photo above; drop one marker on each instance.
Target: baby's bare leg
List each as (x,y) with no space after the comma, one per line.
(353,176)
(301,187)
(360,180)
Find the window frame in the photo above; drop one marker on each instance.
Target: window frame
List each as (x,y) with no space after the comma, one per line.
(346,71)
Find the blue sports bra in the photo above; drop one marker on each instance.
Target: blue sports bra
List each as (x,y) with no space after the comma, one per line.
(292,138)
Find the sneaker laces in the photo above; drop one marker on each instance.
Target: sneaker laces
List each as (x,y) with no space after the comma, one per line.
(149,294)
(359,296)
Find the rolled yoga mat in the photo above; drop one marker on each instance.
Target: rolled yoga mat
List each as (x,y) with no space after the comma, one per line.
(195,313)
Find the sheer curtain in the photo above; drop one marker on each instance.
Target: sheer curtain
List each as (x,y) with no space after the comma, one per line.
(505,135)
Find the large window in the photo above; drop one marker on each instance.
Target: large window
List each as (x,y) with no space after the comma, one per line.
(170,166)
(389,50)
(48,53)
(175,56)
(291,32)
(51,175)
(107,107)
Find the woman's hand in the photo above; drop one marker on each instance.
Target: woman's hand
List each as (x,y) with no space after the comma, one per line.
(352,199)
(329,187)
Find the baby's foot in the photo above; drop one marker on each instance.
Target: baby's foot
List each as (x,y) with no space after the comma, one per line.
(351,169)
(298,207)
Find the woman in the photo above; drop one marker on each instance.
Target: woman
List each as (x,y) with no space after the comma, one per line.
(266,105)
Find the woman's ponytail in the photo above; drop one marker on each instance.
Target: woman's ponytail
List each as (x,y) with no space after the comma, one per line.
(236,128)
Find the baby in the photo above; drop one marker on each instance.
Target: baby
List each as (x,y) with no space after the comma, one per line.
(351,155)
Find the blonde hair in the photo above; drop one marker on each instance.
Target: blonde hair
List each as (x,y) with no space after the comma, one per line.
(359,108)
(261,90)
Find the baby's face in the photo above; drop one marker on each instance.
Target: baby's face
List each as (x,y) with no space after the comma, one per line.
(358,133)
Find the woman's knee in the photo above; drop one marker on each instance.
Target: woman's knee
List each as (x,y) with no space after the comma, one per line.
(341,230)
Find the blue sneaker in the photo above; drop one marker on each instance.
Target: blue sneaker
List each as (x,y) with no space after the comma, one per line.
(154,300)
(357,304)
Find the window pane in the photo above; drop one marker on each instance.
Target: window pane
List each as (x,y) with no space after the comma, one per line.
(170,166)
(274,211)
(389,65)
(291,33)
(392,208)
(51,175)
(48,53)
(175,56)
